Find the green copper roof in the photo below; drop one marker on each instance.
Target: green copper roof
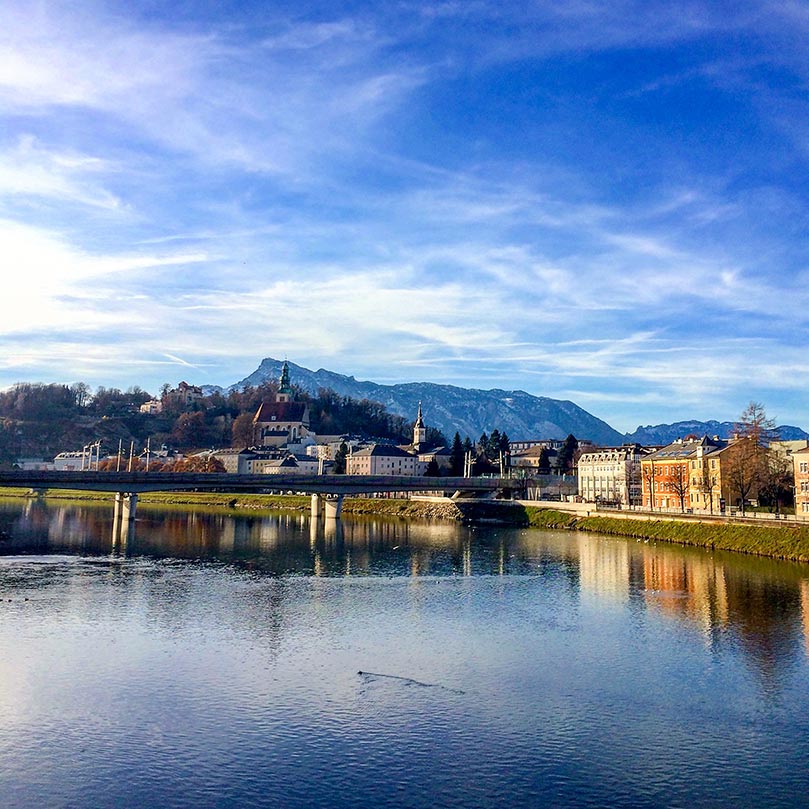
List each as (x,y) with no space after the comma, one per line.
(284,385)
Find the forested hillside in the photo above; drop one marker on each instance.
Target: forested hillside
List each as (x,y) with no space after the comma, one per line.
(42,420)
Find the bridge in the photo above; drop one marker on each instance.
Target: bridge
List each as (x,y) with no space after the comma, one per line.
(327,490)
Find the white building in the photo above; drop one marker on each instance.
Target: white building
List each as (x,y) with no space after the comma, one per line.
(71,461)
(612,475)
(382,459)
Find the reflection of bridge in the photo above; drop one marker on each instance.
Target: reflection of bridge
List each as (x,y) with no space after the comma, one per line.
(326,490)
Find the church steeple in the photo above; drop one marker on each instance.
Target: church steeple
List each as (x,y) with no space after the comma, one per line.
(419,431)
(284,386)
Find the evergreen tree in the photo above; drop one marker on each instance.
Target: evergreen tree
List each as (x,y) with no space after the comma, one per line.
(456,457)
(340,456)
(567,454)
(493,449)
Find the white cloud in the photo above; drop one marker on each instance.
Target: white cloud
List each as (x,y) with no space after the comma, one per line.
(31,170)
(52,286)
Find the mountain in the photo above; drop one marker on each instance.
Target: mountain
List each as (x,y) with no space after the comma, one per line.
(471,412)
(662,434)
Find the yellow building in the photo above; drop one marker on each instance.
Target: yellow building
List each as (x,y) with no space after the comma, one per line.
(800,466)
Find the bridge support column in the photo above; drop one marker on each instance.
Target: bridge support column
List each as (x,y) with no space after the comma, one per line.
(116,514)
(317,504)
(334,507)
(123,520)
(130,506)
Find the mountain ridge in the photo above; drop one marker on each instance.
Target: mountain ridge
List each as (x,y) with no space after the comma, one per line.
(472,411)
(666,433)
(469,411)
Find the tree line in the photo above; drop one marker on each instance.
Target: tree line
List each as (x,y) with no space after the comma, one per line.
(46,419)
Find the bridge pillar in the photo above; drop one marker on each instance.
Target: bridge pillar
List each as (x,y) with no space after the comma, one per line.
(334,507)
(130,506)
(116,514)
(317,504)
(123,517)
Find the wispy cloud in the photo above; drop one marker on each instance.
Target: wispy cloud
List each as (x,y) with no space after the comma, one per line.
(594,200)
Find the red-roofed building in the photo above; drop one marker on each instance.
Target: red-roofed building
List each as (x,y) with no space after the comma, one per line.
(282,421)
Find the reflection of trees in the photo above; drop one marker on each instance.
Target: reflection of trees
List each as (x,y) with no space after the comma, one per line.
(765,611)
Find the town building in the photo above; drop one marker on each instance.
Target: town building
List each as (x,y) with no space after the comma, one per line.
(71,461)
(703,474)
(800,466)
(287,465)
(538,459)
(382,459)
(612,475)
(666,474)
(236,461)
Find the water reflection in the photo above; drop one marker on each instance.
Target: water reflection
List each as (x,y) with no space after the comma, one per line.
(760,605)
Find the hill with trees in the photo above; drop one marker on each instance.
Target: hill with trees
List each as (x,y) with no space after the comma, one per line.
(38,420)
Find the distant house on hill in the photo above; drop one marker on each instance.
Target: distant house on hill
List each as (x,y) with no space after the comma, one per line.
(184,395)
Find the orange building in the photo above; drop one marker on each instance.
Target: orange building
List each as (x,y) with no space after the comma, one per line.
(666,475)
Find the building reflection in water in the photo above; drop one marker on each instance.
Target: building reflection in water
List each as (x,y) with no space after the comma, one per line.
(805,613)
(763,605)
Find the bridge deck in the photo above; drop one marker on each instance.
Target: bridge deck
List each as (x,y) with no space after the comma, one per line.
(139,482)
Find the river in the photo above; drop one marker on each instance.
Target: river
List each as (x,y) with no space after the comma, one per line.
(224,659)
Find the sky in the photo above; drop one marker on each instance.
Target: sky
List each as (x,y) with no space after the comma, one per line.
(600,202)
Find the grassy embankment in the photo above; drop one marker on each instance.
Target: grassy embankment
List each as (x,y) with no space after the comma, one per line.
(781,541)
(255,502)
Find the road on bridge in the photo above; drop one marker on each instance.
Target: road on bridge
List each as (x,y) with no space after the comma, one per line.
(139,482)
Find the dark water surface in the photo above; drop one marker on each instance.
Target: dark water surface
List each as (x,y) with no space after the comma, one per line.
(230,660)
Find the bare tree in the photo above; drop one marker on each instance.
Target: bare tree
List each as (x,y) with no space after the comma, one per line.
(777,480)
(707,483)
(81,393)
(679,483)
(649,478)
(755,424)
(749,454)
(744,469)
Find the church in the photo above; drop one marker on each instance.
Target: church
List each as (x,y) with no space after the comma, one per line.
(283,421)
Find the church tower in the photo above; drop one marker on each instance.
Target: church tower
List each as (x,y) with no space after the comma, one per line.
(419,431)
(284,387)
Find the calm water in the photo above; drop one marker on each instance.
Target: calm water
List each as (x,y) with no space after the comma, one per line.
(219,660)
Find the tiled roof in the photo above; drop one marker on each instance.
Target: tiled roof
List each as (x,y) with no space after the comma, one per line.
(384,450)
(280,411)
(681,450)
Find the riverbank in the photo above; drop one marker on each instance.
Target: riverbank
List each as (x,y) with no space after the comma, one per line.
(781,541)
(428,509)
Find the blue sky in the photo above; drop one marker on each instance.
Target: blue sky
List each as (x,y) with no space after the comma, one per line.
(602,202)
